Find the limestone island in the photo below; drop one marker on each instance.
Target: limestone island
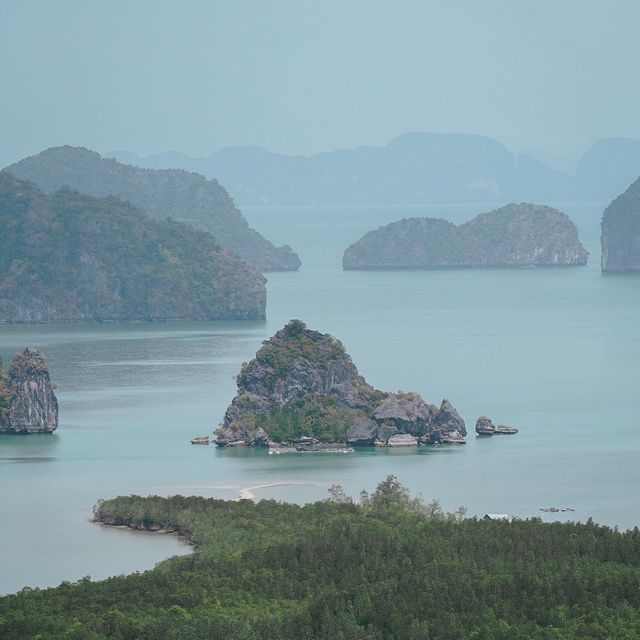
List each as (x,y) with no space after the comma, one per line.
(516,235)
(28,403)
(621,233)
(70,257)
(302,392)
(160,193)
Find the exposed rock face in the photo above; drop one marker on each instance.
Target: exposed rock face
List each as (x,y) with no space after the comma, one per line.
(362,431)
(69,257)
(402,440)
(485,427)
(27,400)
(407,412)
(517,235)
(302,383)
(621,232)
(161,194)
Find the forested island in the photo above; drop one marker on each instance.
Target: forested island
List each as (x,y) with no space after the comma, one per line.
(68,257)
(621,232)
(303,386)
(516,235)
(387,566)
(28,402)
(176,194)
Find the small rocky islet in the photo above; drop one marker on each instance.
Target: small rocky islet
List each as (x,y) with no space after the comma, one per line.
(302,392)
(485,427)
(28,402)
(621,233)
(516,235)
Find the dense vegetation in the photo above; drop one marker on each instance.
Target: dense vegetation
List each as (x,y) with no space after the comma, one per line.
(516,235)
(68,257)
(179,195)
(319,417)
(390,567)
(294,344)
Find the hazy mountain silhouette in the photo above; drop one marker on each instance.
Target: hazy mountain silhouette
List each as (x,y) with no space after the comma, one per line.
(413,168)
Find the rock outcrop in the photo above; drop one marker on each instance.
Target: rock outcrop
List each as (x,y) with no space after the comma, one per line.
(517,235)
(69,257)
(28,402)
(485,427)
(179,195)
(302,383)
(621,232)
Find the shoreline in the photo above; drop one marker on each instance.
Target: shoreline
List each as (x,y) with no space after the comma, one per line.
(180,536)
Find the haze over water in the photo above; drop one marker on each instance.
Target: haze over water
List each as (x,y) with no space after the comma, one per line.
(554,352)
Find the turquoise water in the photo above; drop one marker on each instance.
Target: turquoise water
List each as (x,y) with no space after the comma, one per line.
(554,352)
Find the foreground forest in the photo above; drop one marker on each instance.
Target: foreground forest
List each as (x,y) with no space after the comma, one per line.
(389,566)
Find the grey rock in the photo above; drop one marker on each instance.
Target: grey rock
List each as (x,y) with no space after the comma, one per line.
(305,440)
(504,430)
(484,426)
(402,440)
(28,403)
(448,425)
(449,419)
(386,431)
(362,431)
(452,437)
(408,412)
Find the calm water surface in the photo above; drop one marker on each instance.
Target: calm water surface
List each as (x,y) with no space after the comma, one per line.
(554,352)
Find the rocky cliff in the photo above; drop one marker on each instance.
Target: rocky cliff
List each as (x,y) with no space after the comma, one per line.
(517,235)
(303,384)
(27,400)
(70,257)
(621,232)
(180,195)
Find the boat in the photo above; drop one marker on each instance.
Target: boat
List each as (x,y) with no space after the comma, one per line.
(200,440)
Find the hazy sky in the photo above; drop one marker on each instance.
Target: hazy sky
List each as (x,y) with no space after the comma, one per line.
(301,76)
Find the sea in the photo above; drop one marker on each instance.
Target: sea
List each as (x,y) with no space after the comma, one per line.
(554,352)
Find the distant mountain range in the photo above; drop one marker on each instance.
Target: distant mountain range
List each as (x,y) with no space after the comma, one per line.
(413,168)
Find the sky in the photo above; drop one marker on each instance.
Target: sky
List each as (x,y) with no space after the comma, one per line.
(303,76)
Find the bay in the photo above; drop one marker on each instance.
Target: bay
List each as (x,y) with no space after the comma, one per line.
(556,352)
